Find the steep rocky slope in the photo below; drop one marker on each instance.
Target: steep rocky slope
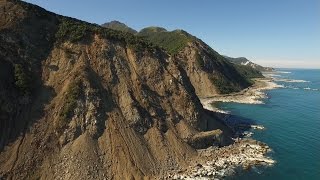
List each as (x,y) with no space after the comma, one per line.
(209,72)
(82,102)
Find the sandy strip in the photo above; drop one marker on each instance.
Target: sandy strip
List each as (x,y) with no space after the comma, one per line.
(252,95)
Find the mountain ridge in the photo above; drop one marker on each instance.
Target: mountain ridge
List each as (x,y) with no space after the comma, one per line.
(210,73)
(116,25)
(244,61)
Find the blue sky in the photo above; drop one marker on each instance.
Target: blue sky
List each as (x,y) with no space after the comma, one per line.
(278,33)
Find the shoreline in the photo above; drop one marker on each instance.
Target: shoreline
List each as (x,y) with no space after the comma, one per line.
(244,153)
(217,163)
(251,95)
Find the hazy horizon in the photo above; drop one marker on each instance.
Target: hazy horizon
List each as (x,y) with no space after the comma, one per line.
(270,33)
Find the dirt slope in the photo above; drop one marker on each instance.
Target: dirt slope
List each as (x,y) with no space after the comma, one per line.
(92,106)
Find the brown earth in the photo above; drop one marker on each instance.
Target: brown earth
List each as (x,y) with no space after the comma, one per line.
(205,67)
(97,108)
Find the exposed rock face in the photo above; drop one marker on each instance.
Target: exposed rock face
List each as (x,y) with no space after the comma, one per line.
(209,72)
(91,108)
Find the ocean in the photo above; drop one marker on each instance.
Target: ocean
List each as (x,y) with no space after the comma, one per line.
(291,117)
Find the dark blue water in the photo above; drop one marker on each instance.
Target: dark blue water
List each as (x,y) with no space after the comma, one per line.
(291,117)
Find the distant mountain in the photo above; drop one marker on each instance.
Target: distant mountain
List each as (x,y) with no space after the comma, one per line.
(244,61)
(116,25)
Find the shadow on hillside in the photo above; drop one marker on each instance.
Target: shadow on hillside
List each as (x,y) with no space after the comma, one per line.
(26,43)
(237,124)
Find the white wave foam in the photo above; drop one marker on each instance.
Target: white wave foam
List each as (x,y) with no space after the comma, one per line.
(274,75)
(283,72)
(306,88)
(291,80)
(207,104)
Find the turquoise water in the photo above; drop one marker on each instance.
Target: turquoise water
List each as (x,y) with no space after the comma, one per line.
(291,117)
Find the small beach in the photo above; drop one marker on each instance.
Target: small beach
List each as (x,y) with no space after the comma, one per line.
(251,95)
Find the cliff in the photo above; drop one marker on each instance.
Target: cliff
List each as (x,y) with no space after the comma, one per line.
(79,101)
(209,72)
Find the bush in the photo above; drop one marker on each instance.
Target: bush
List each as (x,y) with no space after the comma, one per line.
(74,31)
(173,42)
(199,61)
(223,85)
(72,95)
(23,79)
(248,71)
(71,30)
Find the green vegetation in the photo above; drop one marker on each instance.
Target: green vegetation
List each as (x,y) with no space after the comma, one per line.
(172,42)
(72,30)
(23,80)
(72,95)
(199,61)
(116,25)
(224,85)
(243,60)
(231,78)
(248,71)
(75,31)
(152,29)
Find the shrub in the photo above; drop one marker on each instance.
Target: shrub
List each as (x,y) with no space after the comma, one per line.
(74,31)
(223,85)
(173,42)
(199,61)
(72,95)
(71,30)
(248,71)
(23,79)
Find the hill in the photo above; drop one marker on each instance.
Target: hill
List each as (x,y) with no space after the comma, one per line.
(244,61)
(209,72)
(116,25)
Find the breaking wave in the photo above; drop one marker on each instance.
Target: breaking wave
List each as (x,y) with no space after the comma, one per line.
(302,88)
(291,80)
(283,72)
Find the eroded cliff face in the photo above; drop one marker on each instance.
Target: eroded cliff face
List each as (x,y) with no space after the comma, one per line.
(93,108)
(209,72)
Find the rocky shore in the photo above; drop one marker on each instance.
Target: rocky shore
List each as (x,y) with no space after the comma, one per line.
(224,161)
(250,95)
(244,153)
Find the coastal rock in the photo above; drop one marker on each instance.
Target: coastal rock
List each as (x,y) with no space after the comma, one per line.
(244,154)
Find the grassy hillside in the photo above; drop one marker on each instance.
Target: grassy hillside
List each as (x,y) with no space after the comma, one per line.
(74,30)
(173,41)
(116,25)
